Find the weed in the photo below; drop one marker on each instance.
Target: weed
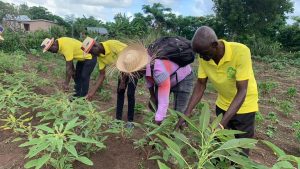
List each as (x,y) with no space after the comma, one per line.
(259,117)
(267,87)
(296,127)
(273,117)
(40,67)
(286,107)
(273,100)
(271,131)
(105,95)
(291,92)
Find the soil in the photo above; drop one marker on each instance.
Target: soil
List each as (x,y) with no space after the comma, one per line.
(121,154)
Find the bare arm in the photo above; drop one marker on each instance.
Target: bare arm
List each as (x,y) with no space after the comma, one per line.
(69,72)
(237,101)
(198,92)
(99,82)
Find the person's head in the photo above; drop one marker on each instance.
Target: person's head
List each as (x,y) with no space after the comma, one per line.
(205,43)
(133,59)
(89,45)
(50,45)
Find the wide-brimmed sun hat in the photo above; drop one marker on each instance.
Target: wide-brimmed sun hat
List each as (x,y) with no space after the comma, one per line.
(87,44)
(133,58)
(46,44)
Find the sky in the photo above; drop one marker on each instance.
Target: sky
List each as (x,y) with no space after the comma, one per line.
(106,9)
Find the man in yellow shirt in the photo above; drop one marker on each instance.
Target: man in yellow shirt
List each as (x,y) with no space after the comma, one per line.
(71,50)
(228,66)
(107,53)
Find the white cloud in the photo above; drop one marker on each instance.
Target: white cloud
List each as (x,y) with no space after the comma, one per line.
(164,2)
(202,7)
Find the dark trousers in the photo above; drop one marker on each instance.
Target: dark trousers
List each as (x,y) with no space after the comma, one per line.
(82,76)
(131,86)
(241,122)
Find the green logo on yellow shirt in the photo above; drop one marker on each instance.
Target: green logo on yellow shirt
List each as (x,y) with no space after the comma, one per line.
(231,72)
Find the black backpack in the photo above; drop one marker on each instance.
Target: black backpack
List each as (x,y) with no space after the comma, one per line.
(176,49)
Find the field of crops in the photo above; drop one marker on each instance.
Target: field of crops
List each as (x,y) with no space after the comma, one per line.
(41,128)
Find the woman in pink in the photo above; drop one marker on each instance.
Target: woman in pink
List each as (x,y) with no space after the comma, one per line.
(164,77)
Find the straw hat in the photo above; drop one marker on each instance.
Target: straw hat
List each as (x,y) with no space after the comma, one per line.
(87,44)
(46,44)
(133,58)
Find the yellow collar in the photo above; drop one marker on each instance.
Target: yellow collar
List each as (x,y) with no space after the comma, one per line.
(227,55)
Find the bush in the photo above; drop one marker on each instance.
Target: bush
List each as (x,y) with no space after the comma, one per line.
(289,36)
(28,40)
(262,46)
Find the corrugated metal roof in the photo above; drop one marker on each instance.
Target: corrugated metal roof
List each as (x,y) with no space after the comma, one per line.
(99,30)
(20,18)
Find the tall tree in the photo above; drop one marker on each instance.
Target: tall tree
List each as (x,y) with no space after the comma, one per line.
(158,14)
(252,16)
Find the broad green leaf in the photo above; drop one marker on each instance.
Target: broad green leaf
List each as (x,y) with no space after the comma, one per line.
(216,122)
(84,140)
(72,150)
(290,158)
(162,165)
(31,163)
(204,117)
(226,132)
(71,124)
(283,165)
(174,149)
(237,143)
(100,145)
(59,144)
(170,143)
(36,149)
(85,160)
(43,160)
(277,151)
(34,141)
(190,123)
(184,139)
(45,128)
(238,159)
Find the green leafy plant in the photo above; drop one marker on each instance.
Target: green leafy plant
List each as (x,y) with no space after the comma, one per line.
(207,146)
(40,67)
(271,131)
(286,107)
(105,95)
(296,128)
(14,98)
(267,87)
(291,92)
(150,141)
(259,117)
(57,146)
(284,160)
(18,124)
(273,117)
(119,127)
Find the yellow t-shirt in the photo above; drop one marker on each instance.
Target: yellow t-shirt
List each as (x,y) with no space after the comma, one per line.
(236,65)
(71,49)
(112,49)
